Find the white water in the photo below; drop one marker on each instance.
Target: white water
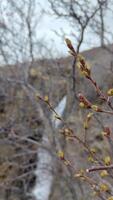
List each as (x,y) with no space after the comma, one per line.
(44,175)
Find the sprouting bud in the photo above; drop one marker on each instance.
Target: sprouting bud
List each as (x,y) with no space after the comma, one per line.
(70,46)
(91,159)
(46,98)
(33,73)
(67,132)
(107,160)
(61,155)
(87,119)
(104,187)
(84,101)
(82,105)
(85,73)
(96,108)
(68,42)
(106,132)
(85,125)
(89,115)
(103,173)
(83,66)
(93,150)
(110,92)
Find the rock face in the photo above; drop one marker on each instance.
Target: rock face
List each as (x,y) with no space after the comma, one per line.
(19,120)
(101,67)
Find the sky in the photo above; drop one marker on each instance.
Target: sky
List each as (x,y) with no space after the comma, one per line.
(49,25)
(50,30)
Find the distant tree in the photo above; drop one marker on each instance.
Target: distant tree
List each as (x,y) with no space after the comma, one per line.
(83,16)
(32,137)
(19,22)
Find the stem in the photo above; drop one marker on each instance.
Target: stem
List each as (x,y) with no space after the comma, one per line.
(99,168)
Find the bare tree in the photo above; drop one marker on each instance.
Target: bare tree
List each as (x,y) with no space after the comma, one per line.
(84,17)
(79,14)
(101,27)
(28,134)
(19,44)
(18,30)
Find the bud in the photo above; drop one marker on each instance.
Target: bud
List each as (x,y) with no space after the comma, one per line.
(103,173)
(93,150)
(82,105)
(104,187)
(107,160)
(46,98)
(33,73)
(106,132)
(87,120)
(96,108)
(61,154)
(70,46)
(84,101)
(85,125)
(83,66)
(110,92)
(89,115)
(68,132)
(68,42)
(91,159)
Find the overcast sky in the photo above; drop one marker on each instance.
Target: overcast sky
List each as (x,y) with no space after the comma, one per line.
(48,30)
(51,24)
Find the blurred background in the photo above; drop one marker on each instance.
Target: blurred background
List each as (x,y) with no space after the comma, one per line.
(39,84)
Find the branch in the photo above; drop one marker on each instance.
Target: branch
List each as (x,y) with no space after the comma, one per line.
(99,168)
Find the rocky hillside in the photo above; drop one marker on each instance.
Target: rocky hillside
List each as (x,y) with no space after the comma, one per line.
(20,124)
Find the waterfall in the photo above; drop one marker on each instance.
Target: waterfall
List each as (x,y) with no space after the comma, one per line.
(43,172)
